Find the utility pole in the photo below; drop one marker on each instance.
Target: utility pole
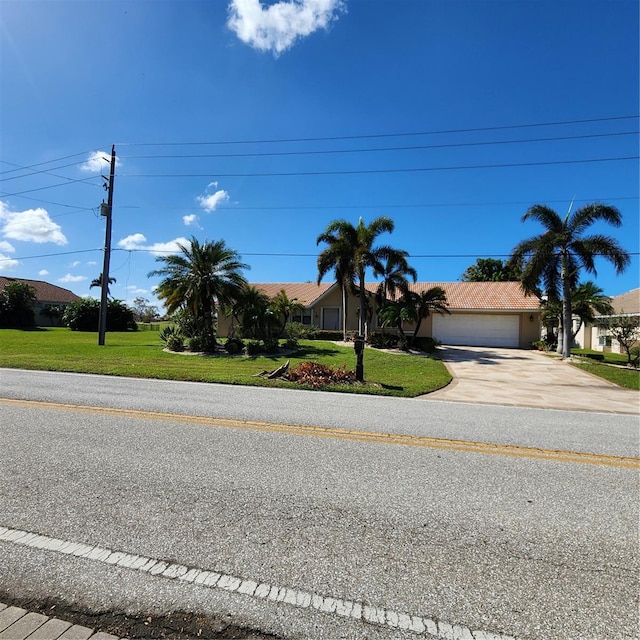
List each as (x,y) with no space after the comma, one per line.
(106,211)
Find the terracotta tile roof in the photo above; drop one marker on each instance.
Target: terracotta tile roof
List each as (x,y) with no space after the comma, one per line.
(628,302)
(489,296)
(306,292)
(45,292)
(495,296)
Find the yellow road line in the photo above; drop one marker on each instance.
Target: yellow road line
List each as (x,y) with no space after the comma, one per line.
(623,462)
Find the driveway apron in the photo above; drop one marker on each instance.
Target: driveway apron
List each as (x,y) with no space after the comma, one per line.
(528,379)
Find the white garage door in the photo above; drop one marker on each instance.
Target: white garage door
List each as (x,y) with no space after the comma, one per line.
(475,329)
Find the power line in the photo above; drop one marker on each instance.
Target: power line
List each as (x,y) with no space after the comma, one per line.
(51,186)
(372,149)
(39,164)
(374,171)
(383,135)
(380,206)
(274,255)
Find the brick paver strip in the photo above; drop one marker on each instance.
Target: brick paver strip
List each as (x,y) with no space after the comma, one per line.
(101,635)
(23,627)
(50,630)
(9,616)
(2,606)
(76,633)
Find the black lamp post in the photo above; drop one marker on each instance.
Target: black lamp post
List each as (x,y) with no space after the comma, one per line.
(358,346)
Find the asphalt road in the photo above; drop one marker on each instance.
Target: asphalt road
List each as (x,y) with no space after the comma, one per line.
(497,540)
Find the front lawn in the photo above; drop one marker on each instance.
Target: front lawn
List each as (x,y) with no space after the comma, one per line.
(610,366)
(139,354)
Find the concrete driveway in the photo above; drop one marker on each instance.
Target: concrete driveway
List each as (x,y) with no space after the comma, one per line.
(528,379)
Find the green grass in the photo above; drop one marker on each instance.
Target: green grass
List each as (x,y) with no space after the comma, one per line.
(139,354)
(613,368)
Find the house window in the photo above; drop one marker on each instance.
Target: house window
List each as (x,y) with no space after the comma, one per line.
(304,319)
(604,341)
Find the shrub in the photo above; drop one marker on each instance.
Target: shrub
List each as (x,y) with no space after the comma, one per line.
(325,334)
(17,302)
(290,343)
(427,344)
(594,356)
(172,338)
(319,375)
(233,346)
(175,343)
(195,344)
(271,345)
(253,347)
(540,345)
(380,340)
(84,315)
(299,331)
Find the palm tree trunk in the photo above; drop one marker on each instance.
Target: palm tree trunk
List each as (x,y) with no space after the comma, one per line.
(566,309)
(344,312)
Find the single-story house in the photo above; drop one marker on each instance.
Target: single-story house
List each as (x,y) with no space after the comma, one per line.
(46,294)
(591,336)
(496,314)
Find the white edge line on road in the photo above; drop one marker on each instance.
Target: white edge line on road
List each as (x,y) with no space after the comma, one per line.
(380,616)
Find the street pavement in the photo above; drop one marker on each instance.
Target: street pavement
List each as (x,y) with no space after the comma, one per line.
(355,537)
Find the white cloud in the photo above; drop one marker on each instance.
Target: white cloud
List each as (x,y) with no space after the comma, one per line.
(277,27)
(7,263)
(210,202)
(132,242)
(43,272)
(7,246)
(92,262)
(70,278)
(163,248)
(31,225)
(74,264)
(190,220)
(99,162)
(138,242)
(134,289)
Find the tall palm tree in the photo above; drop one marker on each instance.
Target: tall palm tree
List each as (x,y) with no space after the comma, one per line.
(97,282)
(351,252)
(556,256)
(338,255)
(200,277)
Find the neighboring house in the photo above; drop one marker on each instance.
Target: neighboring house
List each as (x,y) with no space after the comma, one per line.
(46,294)
(591,336)
(482,313)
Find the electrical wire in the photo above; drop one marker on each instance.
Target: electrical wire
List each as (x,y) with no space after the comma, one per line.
(275,255)
(374,171)
(372,149)
(385,135)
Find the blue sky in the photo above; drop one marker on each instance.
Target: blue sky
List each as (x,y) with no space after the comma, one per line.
(259,123)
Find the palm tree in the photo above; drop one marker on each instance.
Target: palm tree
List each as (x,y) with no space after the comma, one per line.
(338,256)
(351,253)
(426,302)
(395,272)
(199,278)
(97,282)
(587,299)
(414,308)
(556,256)
(252,310)
(285,307)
